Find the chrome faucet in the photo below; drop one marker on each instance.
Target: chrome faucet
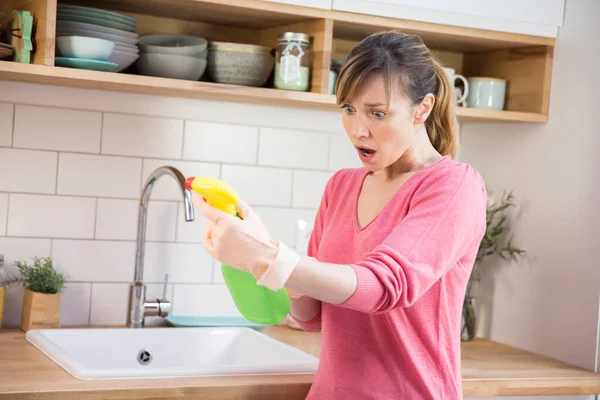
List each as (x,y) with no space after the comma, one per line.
(138,308)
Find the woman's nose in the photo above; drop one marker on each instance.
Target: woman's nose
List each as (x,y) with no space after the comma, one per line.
(360,130)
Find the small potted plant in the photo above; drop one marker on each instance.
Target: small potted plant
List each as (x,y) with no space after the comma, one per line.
(41,300)
(492,243)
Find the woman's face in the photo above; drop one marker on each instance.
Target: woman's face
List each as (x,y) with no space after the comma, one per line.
(380,135)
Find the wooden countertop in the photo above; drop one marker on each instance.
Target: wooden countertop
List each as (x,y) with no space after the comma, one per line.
(489,369)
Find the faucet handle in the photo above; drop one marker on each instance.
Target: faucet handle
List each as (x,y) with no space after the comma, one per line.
(164,296)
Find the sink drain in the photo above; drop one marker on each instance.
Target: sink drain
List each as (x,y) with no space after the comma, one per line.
(144,357)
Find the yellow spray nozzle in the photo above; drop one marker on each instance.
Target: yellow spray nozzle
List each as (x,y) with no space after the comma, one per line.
(216,192)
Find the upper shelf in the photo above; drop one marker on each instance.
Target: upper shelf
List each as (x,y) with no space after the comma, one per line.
(524,60)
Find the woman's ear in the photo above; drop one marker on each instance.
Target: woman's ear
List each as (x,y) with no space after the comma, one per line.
(424,109)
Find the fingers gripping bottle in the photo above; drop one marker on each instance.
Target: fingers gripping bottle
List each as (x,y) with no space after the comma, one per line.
(256,303)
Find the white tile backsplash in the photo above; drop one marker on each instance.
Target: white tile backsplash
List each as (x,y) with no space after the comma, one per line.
(184,262)
(6,124)
(95,260)
(75,304)
(51,216)
(51,128)
(117,219)
(3,213)
(109,303)
(166,188)
(342,153)
(104,176)
(309,187)
(134,135)
(258,185)
(203,300)
(80,157)
(13,306)
(290,148)
(281,222)
(31,171)
(206,141)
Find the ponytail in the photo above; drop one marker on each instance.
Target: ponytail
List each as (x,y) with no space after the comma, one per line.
(441,125)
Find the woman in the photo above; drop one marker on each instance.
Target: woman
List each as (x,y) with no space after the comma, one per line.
(393,243)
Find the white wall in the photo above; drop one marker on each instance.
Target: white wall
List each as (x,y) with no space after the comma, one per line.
(549,303)
(72,163)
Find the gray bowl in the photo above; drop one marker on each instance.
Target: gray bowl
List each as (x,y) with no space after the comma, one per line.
(183,45)
(239,64)
(171,66)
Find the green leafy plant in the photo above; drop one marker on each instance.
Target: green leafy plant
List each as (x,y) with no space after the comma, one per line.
(39,277)
(492,243)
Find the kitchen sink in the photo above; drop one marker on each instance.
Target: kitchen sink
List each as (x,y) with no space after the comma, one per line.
(122,353)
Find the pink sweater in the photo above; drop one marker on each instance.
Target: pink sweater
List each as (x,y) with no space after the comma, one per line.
(397,336)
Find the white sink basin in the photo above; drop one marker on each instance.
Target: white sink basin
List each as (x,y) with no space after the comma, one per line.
(169,352)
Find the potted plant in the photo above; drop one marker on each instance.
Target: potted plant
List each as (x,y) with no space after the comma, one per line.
(492,243)
(41,300)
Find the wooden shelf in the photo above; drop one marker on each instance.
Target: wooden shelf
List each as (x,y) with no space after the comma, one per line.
(524,60)
(212,91)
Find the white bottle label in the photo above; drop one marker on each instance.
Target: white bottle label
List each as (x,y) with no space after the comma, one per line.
(290,68)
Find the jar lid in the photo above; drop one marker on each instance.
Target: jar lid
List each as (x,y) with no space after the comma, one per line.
(294,36)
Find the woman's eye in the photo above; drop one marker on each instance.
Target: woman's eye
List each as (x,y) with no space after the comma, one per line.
(348,109)
(378,114)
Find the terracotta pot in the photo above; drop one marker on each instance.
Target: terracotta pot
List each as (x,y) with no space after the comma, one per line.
(40,311)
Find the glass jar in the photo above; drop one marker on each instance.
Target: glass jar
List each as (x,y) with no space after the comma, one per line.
(293,61)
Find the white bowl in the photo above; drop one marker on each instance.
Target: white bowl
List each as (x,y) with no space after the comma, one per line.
(124,59)
(183,45)
(85,47)
(119,40)
(171,66)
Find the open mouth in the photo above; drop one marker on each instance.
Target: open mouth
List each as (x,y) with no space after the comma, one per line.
(365,151)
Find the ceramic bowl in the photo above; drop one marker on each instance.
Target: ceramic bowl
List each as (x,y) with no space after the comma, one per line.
(183,45)
(119,40)
(85,47)
(239,64)
(123,58)
(171,66)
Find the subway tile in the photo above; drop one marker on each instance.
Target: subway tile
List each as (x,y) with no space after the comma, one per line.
(109,303)
(206,141)
(116,219)
(290,148)
(135,135)
(75,304)
(161,221)
(52,128)
(192,231)
(157,291)
(183,262)
(30,171)
(217,272)
(342,153)
(309,187)
(95,260)
(260,186)
(6,124)
(51,216)
(203,300)
(166,188)
(281,222)
(106,176)
(3,213)
(18,249)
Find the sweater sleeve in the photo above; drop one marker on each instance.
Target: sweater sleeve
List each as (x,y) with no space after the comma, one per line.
(446,218)
(313,247)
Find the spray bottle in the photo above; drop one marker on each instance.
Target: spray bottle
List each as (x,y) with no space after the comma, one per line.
(256,303)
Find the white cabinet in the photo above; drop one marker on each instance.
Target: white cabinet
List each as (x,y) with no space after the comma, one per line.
(535,17)
(325,4)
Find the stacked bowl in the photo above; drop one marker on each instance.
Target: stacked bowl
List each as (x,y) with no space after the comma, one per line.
(172,56)
(87,22)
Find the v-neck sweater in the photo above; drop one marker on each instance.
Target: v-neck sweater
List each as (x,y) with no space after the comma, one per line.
(398,335)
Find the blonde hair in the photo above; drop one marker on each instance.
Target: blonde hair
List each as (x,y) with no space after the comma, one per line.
(404,58)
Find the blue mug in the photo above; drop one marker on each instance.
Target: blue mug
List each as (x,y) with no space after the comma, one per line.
(486,92)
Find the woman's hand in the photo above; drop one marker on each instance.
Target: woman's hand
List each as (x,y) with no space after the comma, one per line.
(244,243)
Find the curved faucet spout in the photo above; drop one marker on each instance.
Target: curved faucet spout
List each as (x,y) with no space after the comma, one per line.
(135,314)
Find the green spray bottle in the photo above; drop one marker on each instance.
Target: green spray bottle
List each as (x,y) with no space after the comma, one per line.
(256,303)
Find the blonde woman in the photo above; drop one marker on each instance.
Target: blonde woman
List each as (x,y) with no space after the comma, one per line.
(393,243)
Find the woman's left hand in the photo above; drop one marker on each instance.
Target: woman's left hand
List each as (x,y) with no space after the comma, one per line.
(243,243)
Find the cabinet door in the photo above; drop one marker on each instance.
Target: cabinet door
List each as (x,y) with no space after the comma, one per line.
(326,4)
(534,17)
